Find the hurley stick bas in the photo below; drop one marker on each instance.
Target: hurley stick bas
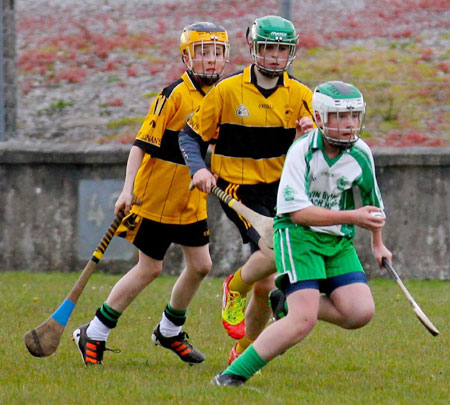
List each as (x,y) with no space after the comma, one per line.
(262,224)
(44,340)
(417,310)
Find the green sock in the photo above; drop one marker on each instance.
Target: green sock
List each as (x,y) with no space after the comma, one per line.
(176,316)
(247,364)
(107,315)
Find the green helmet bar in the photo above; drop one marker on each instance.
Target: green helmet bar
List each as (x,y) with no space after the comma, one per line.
(338,97)
(271,30)
(339,90)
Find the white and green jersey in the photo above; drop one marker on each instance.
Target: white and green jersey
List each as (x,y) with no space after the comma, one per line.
(310,177)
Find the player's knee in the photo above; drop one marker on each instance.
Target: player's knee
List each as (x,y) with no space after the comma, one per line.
(308,324)
(200,268)
(204,268)
(360,317)
(150,271)
(365,317)
(302,326)
(267,252)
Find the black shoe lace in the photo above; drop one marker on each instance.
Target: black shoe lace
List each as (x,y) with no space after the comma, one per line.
(183,336)
(112,350)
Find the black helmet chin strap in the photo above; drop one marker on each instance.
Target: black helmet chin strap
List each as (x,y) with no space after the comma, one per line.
(341,145)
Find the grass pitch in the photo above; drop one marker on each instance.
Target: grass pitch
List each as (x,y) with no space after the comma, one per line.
(393,360)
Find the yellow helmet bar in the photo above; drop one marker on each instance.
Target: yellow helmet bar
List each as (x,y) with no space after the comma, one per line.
(201,32)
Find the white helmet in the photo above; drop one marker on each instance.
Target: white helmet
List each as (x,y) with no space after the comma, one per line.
(338,97)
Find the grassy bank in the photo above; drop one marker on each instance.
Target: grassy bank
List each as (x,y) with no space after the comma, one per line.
(405,86)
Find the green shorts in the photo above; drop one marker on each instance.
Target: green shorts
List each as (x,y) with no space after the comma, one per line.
(306,255)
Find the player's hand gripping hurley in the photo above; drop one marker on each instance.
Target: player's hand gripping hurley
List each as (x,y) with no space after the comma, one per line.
(417,310)
(44,340)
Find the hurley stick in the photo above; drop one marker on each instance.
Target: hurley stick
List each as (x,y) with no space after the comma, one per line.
(417,310)
(262,224)
(44,340)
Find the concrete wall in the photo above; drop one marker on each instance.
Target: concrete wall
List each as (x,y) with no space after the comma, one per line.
(56,202)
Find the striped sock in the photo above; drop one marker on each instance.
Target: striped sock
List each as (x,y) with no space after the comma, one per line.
(176,316)
(247,364)
(108,316)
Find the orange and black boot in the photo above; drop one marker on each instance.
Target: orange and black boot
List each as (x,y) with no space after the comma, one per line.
(179,345)
(91,350)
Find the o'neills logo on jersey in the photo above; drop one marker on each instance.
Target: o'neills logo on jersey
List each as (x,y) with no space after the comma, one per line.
(242,111)
(267,106)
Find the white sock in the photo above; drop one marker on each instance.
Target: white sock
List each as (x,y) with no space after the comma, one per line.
(168,328)
(98,330)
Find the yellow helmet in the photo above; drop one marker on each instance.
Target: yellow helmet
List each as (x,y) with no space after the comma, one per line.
(200,34)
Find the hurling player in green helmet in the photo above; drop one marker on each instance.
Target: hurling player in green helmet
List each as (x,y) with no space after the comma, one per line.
(252,117)
(318,268)
(273,44)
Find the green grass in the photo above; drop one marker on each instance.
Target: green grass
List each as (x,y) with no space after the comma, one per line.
(393,360)
(126,121)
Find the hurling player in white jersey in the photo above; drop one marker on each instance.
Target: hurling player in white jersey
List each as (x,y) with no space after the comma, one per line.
(319,272)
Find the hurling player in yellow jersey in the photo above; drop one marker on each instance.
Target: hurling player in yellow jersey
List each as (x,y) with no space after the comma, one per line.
(167,212)
(252,117)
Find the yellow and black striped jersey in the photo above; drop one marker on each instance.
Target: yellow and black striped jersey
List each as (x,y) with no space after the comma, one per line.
(162,182)
(256,126)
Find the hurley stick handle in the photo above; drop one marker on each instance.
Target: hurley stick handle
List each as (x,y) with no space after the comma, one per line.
(77,289)
(221,195)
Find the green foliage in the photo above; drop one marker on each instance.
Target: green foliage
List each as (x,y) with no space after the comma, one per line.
(150,94)
(55,107)
(113,79)
(126,121)
(61,104)
(393,360)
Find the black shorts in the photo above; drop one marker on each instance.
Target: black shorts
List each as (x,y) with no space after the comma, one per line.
(261,198)
(154,238)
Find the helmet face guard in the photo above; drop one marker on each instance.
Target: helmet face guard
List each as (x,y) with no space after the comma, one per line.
(339,97)
(199,35)
(273,31)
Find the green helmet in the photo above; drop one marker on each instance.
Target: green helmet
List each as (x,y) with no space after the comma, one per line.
(338,97)
(275,30)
